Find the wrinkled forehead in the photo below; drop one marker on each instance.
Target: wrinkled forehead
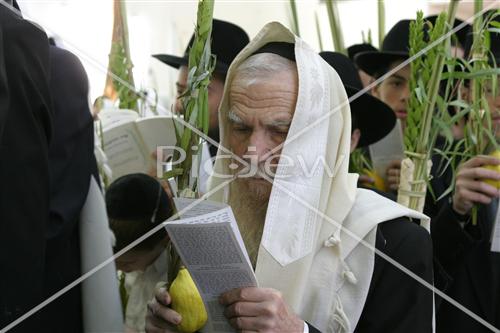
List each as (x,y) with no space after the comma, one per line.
(266,84)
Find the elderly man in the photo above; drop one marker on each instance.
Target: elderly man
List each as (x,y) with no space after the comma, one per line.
(310,233)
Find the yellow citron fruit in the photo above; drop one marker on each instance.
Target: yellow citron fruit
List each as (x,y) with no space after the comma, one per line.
(378,184)
(493,182)
(186,301)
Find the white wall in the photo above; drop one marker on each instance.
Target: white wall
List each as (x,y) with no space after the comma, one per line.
(156,26)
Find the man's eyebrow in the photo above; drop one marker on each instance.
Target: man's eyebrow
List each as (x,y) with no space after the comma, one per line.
(279,123)
(396,76)
(234,118)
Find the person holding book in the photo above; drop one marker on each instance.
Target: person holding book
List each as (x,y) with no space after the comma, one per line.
(394,89)
(462,248)
(371,118)
(307,225)
(137,203)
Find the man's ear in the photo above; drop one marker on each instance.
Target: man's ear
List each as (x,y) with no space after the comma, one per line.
(375,90)
(355,136)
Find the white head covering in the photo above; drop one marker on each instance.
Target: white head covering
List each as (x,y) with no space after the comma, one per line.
(305,255)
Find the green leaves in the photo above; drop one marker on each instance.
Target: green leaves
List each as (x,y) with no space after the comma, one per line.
(195,99)
(427,111)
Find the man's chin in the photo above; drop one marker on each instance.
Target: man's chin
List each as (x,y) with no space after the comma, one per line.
(258,188)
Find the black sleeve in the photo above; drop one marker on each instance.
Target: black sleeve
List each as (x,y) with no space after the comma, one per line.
(396,301)
(4,88)
(450,240)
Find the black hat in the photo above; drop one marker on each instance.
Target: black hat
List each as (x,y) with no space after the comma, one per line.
(494,40)
(461,34)
(138,197)
(374,118)
(228,40)
(394,48)
(358,48)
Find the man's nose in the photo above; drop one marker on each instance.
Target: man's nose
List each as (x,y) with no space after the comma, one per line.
(258,146)
(405,95)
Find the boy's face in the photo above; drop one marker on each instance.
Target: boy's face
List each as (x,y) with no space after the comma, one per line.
(137,260)
(493,99)
(395,91)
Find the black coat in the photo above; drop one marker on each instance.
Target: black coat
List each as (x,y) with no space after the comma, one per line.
(471,272)
(396,302)
(71,164)
(25,130)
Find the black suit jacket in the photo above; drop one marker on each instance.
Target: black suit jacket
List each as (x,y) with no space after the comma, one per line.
(396,302)
(470,272)
(25,129)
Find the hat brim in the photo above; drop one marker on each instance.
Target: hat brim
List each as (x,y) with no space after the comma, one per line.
(177,62)
(374,118)
(373,61)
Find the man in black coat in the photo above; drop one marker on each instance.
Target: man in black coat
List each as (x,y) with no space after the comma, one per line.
(71,164)
(469,271)
(25,130)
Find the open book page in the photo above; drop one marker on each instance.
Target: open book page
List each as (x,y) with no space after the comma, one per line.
(157,131)
(212,249)
(115,117)
(495,234)
(125,150)
(388,149)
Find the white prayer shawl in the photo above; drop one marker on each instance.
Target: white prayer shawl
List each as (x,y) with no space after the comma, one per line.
(323,272)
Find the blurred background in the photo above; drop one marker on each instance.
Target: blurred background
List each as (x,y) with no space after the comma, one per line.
(164,26)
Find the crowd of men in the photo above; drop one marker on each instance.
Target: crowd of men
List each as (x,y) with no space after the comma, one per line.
(329,254)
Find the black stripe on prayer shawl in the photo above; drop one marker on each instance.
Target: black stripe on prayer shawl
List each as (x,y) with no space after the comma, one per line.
(284,49)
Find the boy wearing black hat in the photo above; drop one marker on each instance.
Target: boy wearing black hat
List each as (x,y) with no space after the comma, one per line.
(228,40)
(136,204)
(395,89)
(371,118)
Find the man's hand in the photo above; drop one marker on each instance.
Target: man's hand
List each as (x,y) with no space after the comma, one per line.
(393,171)
(365,180)
(259,310)
(160,318)
(470,188)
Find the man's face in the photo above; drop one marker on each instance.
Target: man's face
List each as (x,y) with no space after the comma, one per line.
(395,91)
(260,117)
(215,90)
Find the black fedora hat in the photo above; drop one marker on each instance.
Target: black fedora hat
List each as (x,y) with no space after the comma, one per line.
(358,48)
(460,34)
(394,48)
(228,40)
(373,117)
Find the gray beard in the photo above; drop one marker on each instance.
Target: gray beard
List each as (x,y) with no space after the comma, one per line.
(249,208)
